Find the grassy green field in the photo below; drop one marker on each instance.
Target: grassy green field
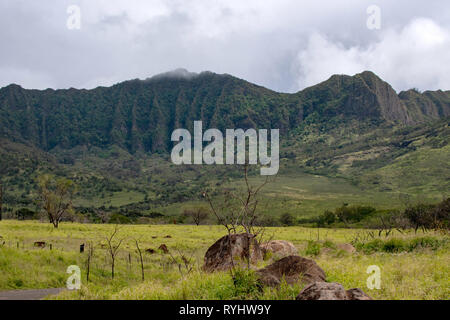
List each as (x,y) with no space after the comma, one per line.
(407,272)
(115,199)
(306,195)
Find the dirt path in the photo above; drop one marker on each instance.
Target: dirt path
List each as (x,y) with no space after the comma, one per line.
(38,294)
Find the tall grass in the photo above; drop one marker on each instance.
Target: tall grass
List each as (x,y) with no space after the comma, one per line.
(412,266)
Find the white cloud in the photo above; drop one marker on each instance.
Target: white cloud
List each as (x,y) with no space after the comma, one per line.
(416,56)
(280,44)
(25,78)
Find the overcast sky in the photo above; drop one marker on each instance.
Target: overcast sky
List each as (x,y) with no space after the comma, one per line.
(285,45)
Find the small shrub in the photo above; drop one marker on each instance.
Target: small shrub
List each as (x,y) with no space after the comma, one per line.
(17,283)
(268,255)
(394,245)
(329,244)
(246,284)
(313,248)
(369,247)
(425,242)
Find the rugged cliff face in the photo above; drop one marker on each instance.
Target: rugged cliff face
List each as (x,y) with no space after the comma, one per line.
(140,115)
(426,106)
(114,143)
(363,96)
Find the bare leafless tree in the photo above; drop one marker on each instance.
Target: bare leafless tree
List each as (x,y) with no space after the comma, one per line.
(239,212)
(113,247)
(198,214)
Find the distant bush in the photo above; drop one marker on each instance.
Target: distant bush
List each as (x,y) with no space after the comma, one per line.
(117,218)
(390,219)
(346,214)
(349,214)
(327,218)
(418,216)
(25,214)
(154,214)
(267,221)
(429,216)
(425,242)
(287,219)
(396,245)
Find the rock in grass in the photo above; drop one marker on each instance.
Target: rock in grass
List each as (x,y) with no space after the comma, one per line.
(279,248)
(40,244)
(346,247)
(330,291)
(163,248)
(292,269)
(357,294)
(232,250)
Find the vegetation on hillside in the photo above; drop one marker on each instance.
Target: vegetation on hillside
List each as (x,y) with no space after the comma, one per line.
(346,140)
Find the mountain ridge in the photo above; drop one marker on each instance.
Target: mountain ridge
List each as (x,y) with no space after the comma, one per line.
(140,114)
(347,139)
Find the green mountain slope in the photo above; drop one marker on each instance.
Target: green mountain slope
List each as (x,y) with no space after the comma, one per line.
(140,115)
(114,142)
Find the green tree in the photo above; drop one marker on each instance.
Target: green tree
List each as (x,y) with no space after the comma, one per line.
(327,218)
(55,197)
(117,218)
(287,219)
(441,215)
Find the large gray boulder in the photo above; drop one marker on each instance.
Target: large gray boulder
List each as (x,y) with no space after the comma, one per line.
(330,291)
(292,269)
(232,250)
(279,248)
(347,247)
